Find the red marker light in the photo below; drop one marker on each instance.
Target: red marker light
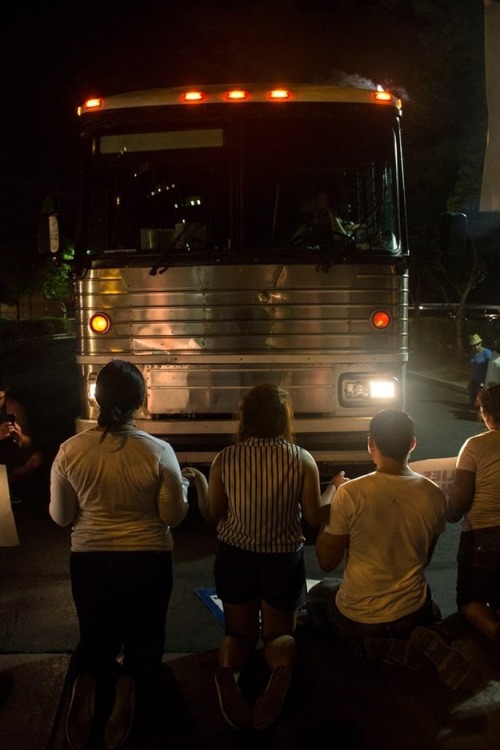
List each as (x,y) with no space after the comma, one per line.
(380,319)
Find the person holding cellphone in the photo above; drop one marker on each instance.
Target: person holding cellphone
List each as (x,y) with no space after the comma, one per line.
(17,450)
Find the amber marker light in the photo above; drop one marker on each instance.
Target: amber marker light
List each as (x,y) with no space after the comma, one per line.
(383,96)
(237,95)
(93,103)
(279,94)
(380,319)
(99,323)
(193,96)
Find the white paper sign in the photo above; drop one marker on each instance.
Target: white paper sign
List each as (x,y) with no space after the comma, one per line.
(440,470)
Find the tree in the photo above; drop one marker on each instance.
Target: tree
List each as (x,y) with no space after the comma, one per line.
(445,141)
(56,284)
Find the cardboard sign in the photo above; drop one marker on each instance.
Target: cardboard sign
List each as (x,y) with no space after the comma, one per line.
(440,470)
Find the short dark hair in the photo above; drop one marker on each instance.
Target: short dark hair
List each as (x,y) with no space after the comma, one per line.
(266,411)
(393,431)
(488,399)
(119,391)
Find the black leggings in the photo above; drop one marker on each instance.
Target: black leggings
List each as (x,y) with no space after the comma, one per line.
(121,600)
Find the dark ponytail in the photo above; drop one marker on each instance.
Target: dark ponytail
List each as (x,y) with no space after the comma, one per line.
(120,391)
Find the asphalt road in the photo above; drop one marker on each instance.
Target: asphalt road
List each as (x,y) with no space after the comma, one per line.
(333,700)
(39,565)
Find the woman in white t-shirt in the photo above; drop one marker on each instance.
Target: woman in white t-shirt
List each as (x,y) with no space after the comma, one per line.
(121,490)
(475,500)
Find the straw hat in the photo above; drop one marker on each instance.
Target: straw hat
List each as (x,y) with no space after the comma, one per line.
(475,339)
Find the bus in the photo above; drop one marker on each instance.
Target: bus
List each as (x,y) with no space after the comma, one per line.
(231,235)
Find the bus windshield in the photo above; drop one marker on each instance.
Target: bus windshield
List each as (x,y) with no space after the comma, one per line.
(244,188)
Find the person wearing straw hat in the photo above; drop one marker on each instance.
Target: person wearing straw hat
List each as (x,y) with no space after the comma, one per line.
(478,362)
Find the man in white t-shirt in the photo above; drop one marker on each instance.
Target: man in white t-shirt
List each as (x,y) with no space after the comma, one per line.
(386,525)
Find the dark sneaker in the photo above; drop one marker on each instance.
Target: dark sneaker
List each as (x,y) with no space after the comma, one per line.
(395,651)
(120,721)
(453,668)
(268,707)
(81,712)
(235,709)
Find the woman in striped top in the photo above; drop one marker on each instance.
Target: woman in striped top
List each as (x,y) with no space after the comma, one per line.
(259,490)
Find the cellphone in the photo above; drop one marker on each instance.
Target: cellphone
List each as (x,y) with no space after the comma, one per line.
(10,418)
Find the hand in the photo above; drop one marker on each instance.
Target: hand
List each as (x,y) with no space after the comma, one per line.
(188,472)
(193,474)
(339,479)
(7,429)
(17,434)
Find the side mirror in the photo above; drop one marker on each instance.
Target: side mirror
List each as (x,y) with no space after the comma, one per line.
(453,233)
(48,228)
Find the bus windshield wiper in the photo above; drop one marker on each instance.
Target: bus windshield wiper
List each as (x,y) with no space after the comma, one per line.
(162,264)
(337,251)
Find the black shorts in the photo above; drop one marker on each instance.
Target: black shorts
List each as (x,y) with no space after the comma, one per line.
(478,562)
(276,578)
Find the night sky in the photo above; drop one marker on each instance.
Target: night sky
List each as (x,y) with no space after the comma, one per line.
(60,53)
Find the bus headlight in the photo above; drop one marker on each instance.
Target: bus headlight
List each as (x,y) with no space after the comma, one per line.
(91,383)
(359,389)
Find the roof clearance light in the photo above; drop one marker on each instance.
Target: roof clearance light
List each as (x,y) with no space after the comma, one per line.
(279,94)
(94,103)
(237,95)
(99,323)
(380,319)
(193,96)
(383,96)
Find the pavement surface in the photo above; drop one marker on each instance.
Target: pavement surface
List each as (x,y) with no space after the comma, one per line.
(334,701)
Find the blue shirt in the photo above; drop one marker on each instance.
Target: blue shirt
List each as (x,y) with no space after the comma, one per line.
(479,365)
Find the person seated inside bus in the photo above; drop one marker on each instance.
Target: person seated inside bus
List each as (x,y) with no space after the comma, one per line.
(322,222)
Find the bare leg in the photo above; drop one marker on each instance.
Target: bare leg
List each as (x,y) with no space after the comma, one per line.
(32,464)
(242,633)
(280,652)
(234,651)
(278,626)
(483,618)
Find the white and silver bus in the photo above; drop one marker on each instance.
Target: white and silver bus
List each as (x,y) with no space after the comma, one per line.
(235,235)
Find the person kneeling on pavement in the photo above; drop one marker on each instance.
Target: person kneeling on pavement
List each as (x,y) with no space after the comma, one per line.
(121,490)
(386,524)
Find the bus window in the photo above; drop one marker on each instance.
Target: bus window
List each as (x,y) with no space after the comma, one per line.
(171,198)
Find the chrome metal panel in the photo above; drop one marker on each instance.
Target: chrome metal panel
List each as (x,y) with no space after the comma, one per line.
(203,336)
(243,309)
